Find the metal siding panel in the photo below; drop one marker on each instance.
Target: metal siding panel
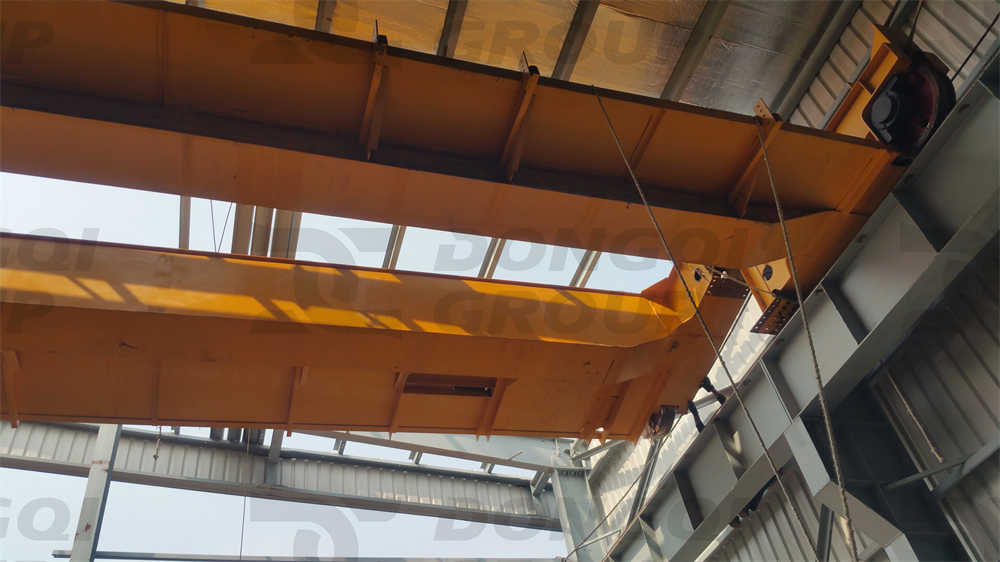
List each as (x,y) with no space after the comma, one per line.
(833,82)
(771,531)
(947,371)
(812,110)
(798,118)
(845,63)
(877,10)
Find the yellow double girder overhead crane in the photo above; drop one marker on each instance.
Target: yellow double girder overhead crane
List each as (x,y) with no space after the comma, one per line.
(175,99)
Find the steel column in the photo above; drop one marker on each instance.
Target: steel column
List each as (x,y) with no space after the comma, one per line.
(577,513)
(88,528)
(184,223)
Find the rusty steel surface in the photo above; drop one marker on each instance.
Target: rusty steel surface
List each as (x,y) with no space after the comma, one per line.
(103,332)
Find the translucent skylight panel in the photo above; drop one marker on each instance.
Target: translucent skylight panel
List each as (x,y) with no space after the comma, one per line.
(211,225)
(342,241)
(537,263)
(632,274)
(439,251)
(69,209)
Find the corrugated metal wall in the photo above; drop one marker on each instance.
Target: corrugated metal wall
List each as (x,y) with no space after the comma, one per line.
(947,373)
(949,29)
(772,532)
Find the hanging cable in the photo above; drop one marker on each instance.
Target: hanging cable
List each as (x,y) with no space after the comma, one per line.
(211,215)
(225,223)
(958,71)
(708,333)
(246,486)
(824,408)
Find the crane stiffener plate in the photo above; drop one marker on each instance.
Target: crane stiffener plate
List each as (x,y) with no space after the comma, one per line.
(111,333)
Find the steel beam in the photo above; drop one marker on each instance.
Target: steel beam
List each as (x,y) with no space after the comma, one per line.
(492,258)
(242,229)
(453,18)
(117,555)
(324,15)
(392,247)
(285,234)
(586,268)
(200,464)
(530,453)
(985,453)
(184,223)
(95,497)
(578,514)
(261,234)
(707,24)
(890,276)
(587,453)
(579,27)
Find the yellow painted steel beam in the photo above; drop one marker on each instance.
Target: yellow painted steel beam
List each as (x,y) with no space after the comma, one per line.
(102,332)
(181,100)
(114,277)
(49,144)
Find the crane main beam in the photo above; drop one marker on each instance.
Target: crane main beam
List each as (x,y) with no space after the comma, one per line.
(112,333)
(183,100)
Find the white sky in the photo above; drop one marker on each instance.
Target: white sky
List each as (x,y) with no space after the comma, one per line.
(149,519)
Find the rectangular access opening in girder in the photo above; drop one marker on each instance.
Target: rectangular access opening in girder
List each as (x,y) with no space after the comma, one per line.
(451,385)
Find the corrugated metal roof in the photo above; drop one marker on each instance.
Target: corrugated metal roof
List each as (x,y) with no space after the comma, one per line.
(759,46)
(631,45)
